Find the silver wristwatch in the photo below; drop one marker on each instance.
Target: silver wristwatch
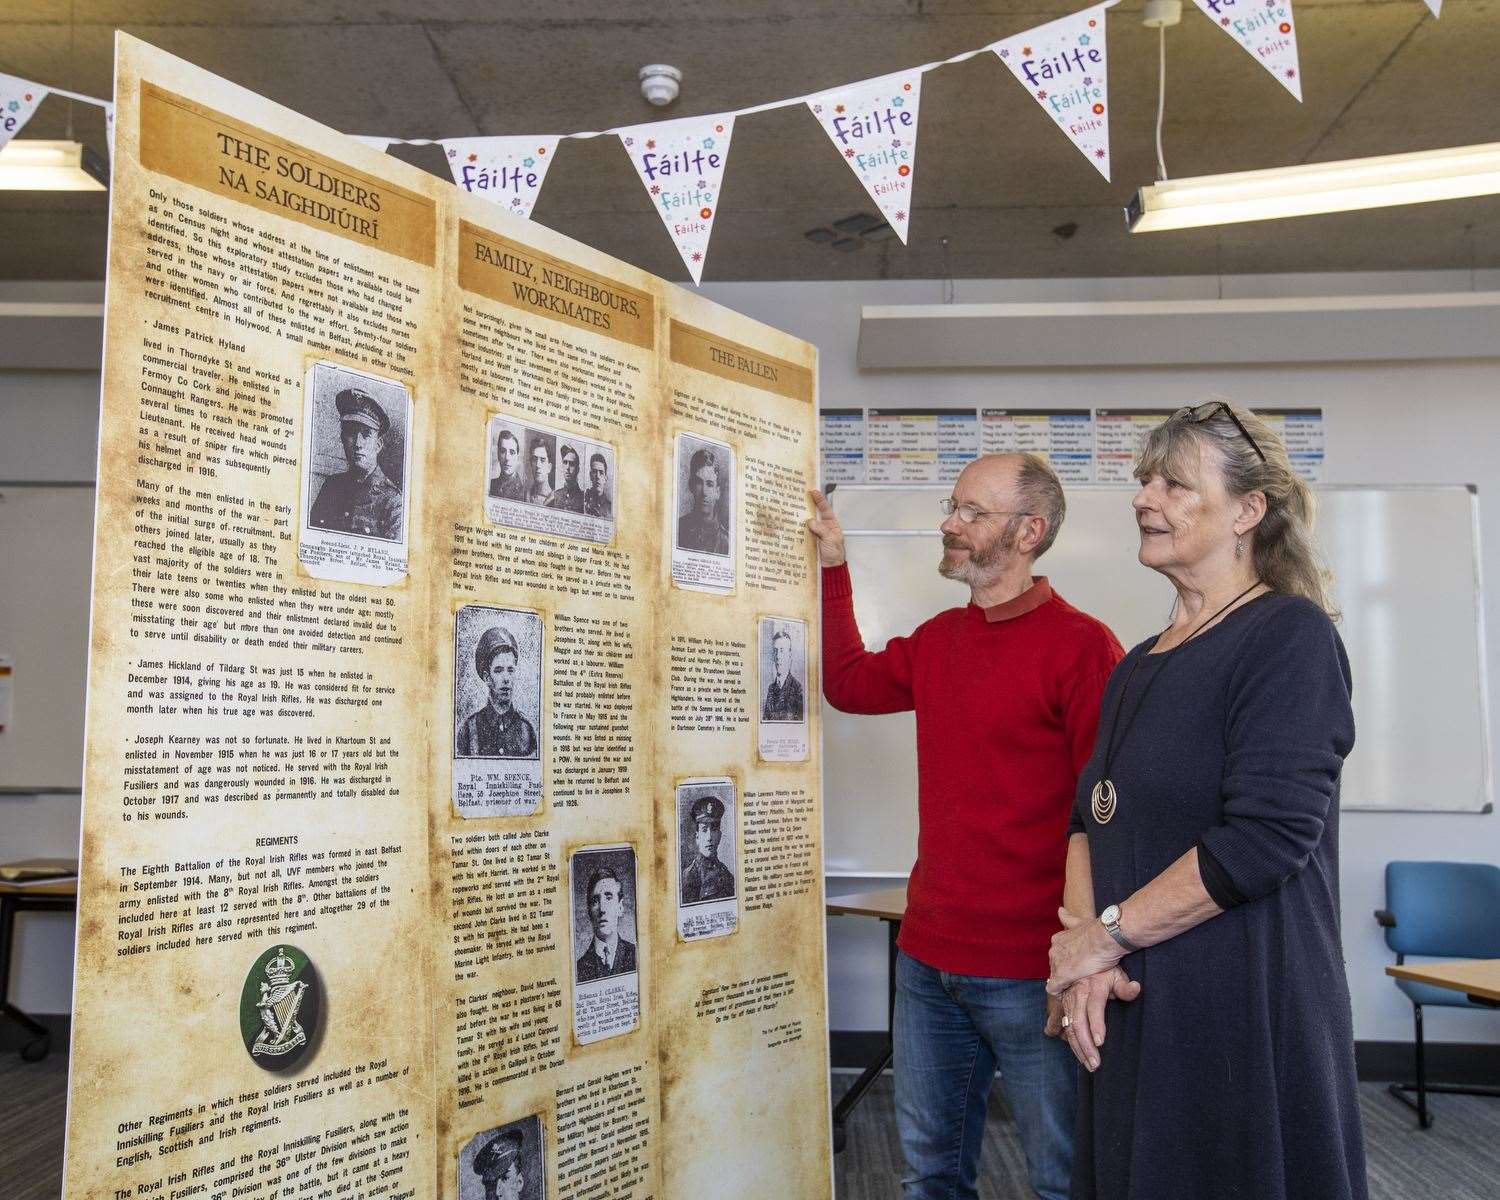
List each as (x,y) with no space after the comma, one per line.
(1110,919)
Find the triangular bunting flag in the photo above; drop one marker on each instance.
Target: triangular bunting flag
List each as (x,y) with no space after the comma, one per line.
(378,144)
(874,126)
(1267,32)
(18,100)
(1064,66)
(681,164)
(507,170)
(1436,6)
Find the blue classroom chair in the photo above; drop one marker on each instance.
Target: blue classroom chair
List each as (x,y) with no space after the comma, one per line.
(1439,910)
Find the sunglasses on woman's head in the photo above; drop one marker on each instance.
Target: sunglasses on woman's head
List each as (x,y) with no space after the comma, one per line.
(1209,409)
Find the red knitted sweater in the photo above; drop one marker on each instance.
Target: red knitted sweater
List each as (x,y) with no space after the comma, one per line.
(1007,701)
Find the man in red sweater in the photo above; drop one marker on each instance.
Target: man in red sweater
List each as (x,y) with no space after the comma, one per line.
(1006,692)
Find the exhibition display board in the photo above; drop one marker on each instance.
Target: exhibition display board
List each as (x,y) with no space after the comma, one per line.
(452,822)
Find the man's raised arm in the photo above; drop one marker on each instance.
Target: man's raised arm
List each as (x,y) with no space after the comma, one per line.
(855,680)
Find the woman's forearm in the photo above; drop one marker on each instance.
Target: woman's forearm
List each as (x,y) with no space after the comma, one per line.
(1170,904)
(1078,883)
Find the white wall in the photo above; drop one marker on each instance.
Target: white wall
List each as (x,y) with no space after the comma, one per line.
(49,425)
(1421,422)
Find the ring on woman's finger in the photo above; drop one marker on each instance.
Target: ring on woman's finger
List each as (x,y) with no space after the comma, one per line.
(1066,1021)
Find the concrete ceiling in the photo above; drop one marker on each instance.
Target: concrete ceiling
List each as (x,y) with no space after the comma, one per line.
(995,177)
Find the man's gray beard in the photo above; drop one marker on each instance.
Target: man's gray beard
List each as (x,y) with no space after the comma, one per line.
(959,572)
(980,569)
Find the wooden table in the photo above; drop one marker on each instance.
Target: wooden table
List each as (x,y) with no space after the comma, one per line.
(54,896)
(888,905)
(1476,978)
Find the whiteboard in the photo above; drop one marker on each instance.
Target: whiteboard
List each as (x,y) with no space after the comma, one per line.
(46,556)
(1406,575)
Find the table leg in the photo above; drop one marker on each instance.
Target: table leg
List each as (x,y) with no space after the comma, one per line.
(40,1043)
(856,1093)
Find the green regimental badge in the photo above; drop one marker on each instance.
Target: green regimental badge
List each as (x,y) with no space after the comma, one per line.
(280,1007)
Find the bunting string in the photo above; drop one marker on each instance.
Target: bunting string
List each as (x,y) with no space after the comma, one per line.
(872,123)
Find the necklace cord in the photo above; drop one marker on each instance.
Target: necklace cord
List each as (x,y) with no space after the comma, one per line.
(1110,746)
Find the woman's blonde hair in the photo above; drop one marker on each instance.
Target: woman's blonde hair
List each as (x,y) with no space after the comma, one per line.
(1285,553)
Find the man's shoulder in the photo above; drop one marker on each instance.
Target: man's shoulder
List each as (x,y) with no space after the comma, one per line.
(945,619)
(342,482)
(1082,629)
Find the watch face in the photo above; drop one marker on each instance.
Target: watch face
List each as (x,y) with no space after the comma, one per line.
(1110,915)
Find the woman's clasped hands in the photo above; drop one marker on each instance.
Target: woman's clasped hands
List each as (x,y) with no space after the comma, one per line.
(1086,974)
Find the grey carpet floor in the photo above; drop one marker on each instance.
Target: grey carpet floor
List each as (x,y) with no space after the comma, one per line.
(1457,1159)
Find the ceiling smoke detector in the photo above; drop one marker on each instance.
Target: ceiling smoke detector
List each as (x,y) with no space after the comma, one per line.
(660,83)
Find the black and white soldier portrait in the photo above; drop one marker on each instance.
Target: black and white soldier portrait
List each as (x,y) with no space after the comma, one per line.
(705,877)
(508,481)
(783,731)
(497,710)
(705,490)
(602,898)
(541,459)
(552,481)
(707,858)
(568,495)
(703,514)
(498,729)
(784,698)
(505,1163)
(362,432)
(354,520)
(607,899)
(596,498)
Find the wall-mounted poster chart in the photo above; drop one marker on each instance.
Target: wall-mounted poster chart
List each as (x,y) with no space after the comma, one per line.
(384,891)
(842,431)
(1301,431)
(1064,437)
(919,445)
(1118,433)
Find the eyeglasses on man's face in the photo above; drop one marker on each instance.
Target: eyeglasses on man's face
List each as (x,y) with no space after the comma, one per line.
(968,513)
(1209,409)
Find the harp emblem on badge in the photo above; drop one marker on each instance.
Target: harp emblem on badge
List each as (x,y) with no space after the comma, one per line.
(280,998)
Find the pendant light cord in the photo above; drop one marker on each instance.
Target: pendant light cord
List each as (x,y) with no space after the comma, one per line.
(1161,97)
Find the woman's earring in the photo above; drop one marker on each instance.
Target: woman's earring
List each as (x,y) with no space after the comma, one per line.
(1239,547)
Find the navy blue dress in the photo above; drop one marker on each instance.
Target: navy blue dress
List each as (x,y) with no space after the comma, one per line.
(1232,1074)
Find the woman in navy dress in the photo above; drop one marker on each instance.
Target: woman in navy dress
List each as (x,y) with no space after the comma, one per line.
(1201,911)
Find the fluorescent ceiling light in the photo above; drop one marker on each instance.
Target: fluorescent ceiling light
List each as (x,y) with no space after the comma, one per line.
(28,165)
(1316,188)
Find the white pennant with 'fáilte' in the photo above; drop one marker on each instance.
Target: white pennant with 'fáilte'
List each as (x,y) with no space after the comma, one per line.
(507,170)
(18,100)
(1266,30)
(681,163)
(874,126)
(1064,66)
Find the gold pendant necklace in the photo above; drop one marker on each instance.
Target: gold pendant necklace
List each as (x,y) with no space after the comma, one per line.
(1103,798)
(1103,801)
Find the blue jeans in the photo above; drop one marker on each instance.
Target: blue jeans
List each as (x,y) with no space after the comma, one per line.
(952,1031)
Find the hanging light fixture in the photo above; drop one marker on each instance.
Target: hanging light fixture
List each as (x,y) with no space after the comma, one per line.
(31,165)
(1354,183)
